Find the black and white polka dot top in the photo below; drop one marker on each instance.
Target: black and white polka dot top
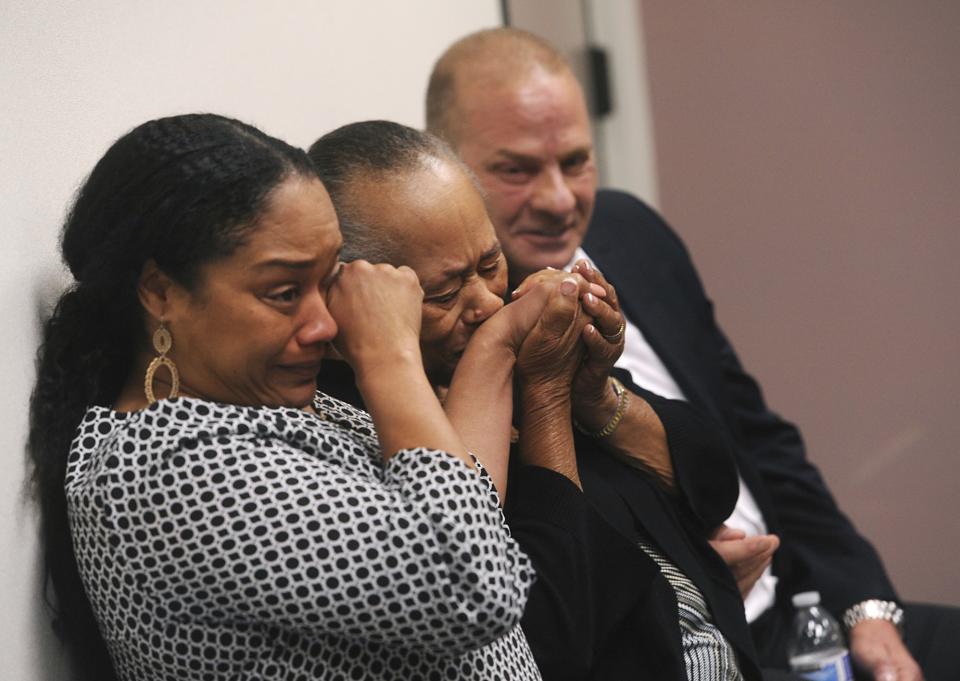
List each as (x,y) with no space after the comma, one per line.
(226,542)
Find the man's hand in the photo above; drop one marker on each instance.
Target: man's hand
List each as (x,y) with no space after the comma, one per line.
(747,557)
(876,647)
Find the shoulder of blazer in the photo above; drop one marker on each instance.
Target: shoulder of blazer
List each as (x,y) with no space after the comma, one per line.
(619,216)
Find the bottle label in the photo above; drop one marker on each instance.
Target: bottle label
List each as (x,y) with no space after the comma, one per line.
(836,668)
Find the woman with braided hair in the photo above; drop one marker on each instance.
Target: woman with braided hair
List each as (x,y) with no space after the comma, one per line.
(205,513)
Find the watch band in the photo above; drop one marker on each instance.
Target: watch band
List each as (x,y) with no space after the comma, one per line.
(874,609)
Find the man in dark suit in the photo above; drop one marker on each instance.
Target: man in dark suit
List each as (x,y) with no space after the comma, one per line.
(510,106)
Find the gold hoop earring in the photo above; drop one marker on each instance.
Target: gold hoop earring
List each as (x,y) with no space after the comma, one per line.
(162,342)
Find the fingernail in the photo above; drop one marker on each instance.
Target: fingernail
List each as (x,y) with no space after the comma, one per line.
(590,298)
(550,268)
(568,286)
(887,674)
(586,265)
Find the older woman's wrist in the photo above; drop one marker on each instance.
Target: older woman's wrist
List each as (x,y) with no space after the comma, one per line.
(592,412)
(545,392)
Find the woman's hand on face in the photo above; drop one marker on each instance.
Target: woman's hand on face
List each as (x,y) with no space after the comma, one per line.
(511,324)
(552,350)
(377,309)
(552,278)
(592,399)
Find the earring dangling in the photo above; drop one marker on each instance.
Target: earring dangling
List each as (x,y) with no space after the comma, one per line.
(162,342)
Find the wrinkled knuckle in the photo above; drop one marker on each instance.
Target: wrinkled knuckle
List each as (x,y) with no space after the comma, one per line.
(408,274)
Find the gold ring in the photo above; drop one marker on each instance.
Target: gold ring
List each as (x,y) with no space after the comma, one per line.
(616,337)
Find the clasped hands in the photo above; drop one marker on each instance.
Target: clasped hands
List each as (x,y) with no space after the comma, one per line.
(576,345)
(597,316)
(576,339)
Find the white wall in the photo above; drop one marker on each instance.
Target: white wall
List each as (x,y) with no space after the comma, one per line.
(75,76)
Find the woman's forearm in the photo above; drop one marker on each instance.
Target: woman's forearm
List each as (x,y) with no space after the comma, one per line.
(639,438)
(404,407)
(546,432)
(479,404)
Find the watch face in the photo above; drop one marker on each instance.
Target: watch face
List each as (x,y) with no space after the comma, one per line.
(874,609)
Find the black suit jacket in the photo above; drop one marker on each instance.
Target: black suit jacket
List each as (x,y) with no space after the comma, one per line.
(600,608)
(661,293)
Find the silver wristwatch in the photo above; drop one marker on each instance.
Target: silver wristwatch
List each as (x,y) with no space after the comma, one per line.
(874,609)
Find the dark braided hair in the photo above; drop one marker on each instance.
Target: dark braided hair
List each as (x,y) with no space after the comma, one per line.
(181,191)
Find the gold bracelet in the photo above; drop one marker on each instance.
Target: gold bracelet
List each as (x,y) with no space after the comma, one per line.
(623,396)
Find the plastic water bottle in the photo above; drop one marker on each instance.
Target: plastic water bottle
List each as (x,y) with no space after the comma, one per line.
(816,650)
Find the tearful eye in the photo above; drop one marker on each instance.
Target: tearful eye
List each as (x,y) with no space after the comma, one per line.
(491,268)
(444,298)
(285,295)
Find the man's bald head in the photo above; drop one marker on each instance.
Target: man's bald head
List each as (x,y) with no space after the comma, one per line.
(494,56)
(511,107)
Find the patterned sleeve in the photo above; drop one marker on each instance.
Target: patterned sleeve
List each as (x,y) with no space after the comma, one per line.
(419,557)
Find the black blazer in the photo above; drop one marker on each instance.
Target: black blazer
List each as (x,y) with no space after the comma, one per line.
(661,293)
(600,608)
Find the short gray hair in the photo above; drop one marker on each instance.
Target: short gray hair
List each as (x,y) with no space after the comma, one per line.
(372,151)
